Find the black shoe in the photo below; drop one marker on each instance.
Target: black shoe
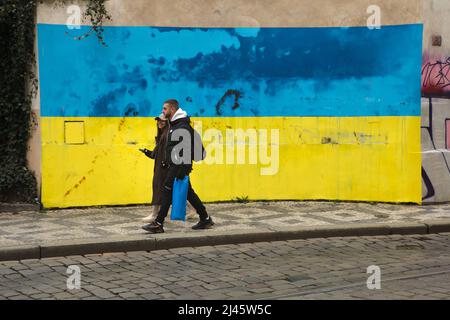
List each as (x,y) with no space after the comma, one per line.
(153,227)
(203,224)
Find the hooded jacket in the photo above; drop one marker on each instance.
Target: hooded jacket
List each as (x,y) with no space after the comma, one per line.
(179,121)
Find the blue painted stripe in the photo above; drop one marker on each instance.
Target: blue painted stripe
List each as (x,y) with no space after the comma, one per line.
(335,71)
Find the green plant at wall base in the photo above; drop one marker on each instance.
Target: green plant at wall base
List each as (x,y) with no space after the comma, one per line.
(243,199)
(18,85)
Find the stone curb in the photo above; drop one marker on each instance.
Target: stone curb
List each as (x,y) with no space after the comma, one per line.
(211,237)
(20,252)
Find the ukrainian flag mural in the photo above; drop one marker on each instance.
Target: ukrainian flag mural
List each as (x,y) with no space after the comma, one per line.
(344,100)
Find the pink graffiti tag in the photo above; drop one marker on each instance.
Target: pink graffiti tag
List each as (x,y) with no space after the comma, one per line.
(436,78)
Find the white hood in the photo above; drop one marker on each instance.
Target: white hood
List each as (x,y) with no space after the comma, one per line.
(179,114)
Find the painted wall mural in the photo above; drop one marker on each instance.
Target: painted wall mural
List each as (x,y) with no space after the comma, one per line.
(435,129)
(346,102)
(436,77)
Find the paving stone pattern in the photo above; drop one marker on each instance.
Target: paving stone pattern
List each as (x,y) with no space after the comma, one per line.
(412,267)
(34,227)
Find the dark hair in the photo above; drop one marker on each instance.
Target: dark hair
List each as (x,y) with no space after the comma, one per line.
(172,102)
(160,131)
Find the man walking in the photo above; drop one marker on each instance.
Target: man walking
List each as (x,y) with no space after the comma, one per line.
(180,165)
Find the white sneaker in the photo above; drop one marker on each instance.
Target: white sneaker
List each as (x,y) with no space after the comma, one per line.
(149,219)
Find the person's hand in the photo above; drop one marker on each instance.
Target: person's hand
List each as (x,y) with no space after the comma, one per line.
(181,173)
(148,153)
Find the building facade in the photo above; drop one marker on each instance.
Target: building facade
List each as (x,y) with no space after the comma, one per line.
(323,106)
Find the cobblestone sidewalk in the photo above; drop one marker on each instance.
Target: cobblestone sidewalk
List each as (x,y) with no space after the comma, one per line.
(34,227)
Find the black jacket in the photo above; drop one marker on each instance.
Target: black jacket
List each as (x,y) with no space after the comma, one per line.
(175,138)
(160,168)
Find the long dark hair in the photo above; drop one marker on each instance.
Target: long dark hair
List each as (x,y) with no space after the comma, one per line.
(161,139)
(161,131)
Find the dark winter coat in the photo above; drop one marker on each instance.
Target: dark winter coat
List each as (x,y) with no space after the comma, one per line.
(160,168)
(181,121)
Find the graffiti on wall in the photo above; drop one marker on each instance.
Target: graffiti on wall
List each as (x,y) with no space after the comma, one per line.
(436,78)
(435,130)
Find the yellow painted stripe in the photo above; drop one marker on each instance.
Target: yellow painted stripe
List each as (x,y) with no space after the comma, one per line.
(244,13)
(350,158)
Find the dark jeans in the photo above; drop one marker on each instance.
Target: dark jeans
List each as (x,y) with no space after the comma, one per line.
(166,200)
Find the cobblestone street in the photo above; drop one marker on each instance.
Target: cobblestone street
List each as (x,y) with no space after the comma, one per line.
(412,267)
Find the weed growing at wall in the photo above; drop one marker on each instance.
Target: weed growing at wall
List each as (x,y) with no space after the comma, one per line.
(18,85)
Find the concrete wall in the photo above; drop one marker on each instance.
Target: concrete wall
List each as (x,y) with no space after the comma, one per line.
(244,13)
(35,142)
(345,99)
(436,103)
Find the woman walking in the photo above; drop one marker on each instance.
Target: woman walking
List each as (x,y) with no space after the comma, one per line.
(160,167)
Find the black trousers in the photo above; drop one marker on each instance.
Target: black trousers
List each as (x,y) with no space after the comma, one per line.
(166,200)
